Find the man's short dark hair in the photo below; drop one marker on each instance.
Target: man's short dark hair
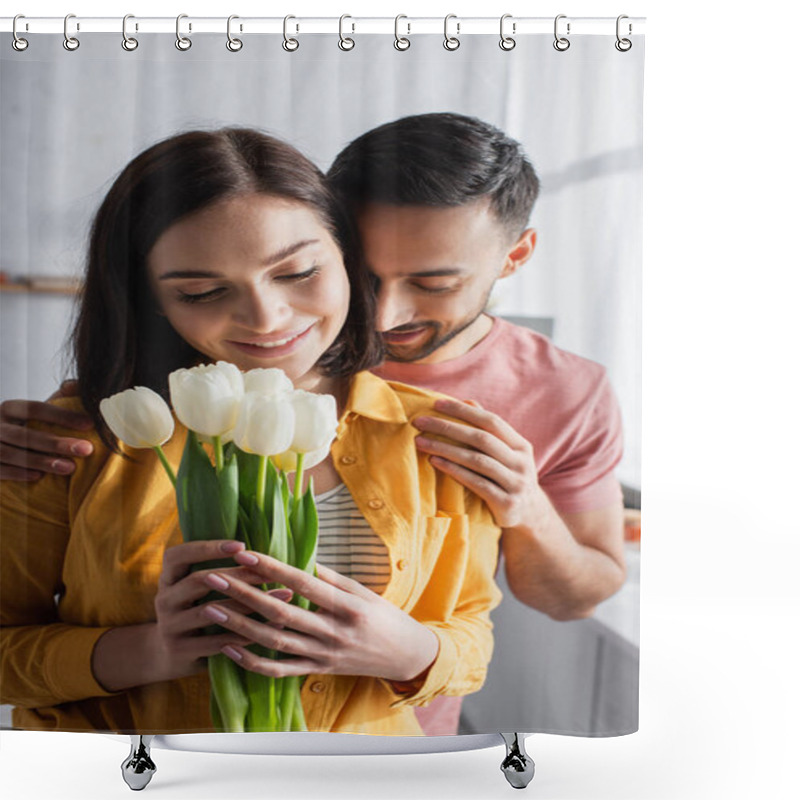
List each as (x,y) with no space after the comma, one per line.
(439,160)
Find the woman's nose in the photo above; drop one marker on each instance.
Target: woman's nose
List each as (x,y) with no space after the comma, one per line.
(263,310)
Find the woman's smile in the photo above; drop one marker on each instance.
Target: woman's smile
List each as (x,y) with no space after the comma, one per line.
(274,346)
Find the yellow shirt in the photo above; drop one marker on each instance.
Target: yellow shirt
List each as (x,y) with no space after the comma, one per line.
(95,541)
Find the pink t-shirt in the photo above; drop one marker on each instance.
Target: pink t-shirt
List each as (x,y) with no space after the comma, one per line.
(561,403)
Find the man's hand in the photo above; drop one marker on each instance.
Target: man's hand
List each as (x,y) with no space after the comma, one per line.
(25,454)
(560,564)
(487,456)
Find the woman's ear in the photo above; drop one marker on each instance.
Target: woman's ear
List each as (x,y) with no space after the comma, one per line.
(519,252)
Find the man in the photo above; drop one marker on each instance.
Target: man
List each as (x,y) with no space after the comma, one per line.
(442,203)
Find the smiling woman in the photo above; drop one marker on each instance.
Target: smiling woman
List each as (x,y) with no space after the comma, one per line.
(227,246)
(254,280)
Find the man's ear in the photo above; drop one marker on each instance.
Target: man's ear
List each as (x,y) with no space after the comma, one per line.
(519,252)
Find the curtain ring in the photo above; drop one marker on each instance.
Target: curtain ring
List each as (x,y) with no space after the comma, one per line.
(345,42)
(507,42)
(400,42)
(289,44)
(451,42)
(561,43)
(182,42)
(233,44)
(70,42)
(18,43)
(623,45)
(128,42)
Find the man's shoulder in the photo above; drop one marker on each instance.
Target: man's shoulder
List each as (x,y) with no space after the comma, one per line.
(536,354)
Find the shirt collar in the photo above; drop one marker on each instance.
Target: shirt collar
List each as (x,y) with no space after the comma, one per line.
(373,398)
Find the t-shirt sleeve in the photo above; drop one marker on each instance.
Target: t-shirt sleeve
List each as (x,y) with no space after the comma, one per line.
(43,661)
(584,479)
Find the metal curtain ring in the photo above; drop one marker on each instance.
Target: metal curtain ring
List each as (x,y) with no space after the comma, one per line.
(345,42)
(70,42)
(18,43)
(128,42)
(623,45)
(507,42)
(233,44)
(400,42)
(451,42)
(182,42)
(289,44)
(561,43)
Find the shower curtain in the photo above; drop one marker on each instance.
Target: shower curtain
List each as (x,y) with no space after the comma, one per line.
(75,116)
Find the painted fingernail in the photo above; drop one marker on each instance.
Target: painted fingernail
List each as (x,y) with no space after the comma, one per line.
(215,582)
(231,547)
(63,467)
(231,652)
(247,558)
(281,594)
(215,613)
(82,449)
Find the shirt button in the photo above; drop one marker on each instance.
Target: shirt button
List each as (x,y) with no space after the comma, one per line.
(317,687)
(376,504)
(347,460)
(402,564)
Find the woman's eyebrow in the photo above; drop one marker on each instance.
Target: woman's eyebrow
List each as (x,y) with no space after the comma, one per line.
(274,258)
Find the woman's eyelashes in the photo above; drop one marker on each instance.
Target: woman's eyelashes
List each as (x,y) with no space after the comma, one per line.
(213,294)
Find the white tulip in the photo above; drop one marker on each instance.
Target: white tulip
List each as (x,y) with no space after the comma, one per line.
(316,423)
(265,425)
(139,417)
(267,382)
(287,461)
(206,398)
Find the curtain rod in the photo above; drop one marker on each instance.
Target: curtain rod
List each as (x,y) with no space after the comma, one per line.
(406,25)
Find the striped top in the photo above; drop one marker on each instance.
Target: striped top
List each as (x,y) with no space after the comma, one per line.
(347,543)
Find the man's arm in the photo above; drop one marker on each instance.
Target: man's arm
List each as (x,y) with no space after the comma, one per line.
(562,565)
(26,454)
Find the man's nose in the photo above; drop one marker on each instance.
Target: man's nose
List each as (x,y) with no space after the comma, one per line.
(392,309)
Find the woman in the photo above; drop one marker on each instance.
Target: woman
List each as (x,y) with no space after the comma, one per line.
(229,246)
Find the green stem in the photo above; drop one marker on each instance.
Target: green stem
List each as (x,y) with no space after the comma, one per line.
(298,478)
(261,482)
(298,715)
(219,456)
(226,683)
(163,459)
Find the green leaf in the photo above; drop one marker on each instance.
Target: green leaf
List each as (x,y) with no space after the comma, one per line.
(278,545)
(260,528)
(228,483)
(307,553)
(228,686)
(197,493)
(248,473)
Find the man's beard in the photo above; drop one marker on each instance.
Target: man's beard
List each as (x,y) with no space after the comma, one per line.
(434,343)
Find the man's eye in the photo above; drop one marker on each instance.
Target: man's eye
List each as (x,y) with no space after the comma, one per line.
(435,289)
(201,297)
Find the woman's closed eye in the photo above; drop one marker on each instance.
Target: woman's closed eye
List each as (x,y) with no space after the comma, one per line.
(299,276)
(201,297)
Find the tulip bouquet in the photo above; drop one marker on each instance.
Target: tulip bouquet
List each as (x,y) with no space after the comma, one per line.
(259,429)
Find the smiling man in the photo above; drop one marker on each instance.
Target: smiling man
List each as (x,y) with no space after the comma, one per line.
(442,203)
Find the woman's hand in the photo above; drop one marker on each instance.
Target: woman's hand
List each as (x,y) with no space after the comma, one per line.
(174,646)
(354,631)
